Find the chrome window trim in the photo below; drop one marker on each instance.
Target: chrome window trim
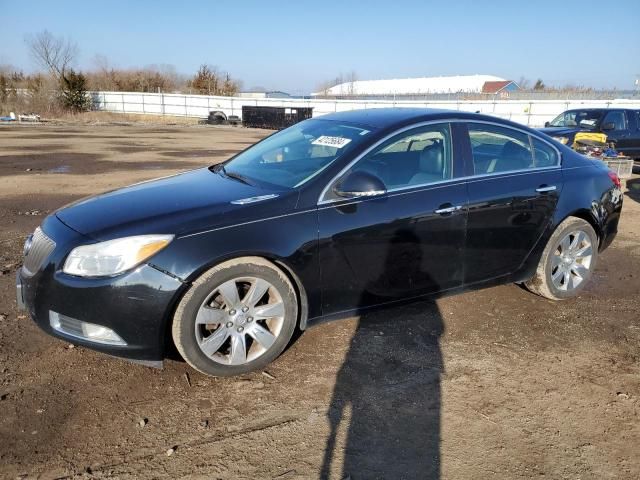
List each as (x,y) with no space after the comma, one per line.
(511,173)
(323,201)
(394,193)
(440,184)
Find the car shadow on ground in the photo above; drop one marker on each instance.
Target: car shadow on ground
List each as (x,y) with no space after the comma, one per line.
(385,407)
(633,189)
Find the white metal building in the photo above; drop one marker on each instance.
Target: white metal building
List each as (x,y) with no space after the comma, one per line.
(263,94)
(411,86)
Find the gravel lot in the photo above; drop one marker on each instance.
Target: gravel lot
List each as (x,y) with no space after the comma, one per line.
(496,383)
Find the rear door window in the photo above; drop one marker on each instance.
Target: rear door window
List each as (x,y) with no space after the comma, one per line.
(618,118)
(499,149)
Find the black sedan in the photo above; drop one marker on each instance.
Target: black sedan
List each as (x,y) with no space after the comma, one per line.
(326,219)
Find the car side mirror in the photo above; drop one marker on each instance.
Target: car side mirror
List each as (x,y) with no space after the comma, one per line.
(608,126)
(546,124)
(360,184)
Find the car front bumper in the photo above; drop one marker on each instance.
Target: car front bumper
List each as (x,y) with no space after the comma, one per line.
(136,305)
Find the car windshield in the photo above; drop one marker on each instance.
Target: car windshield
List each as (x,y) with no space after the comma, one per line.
(577,118)
(291,157)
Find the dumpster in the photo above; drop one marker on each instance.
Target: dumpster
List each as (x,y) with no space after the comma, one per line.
(274,118)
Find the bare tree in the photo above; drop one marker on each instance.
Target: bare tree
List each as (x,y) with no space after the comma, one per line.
(325,87)
(101,63)
(56,54)
(524,83)
(209,81)
(351,79)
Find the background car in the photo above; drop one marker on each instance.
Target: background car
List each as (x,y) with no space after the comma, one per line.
(326,219)
(621,126)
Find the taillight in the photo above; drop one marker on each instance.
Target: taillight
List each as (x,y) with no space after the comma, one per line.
(614,178)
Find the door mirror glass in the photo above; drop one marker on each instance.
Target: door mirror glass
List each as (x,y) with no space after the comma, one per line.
(546,124)
(360,184)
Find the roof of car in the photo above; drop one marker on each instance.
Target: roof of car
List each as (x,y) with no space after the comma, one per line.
(598,109)
(387,117)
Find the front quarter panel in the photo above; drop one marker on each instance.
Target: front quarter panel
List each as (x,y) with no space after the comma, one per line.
(290,239)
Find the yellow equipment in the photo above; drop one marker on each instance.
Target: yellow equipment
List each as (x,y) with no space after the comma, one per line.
(590,137)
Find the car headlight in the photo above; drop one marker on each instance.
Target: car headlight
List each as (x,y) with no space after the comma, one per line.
(113,256)
(562,140)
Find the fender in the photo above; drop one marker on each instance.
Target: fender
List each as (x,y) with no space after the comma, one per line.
(289,241)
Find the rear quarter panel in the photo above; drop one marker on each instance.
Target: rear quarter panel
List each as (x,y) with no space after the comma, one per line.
(590,193)
(587,193)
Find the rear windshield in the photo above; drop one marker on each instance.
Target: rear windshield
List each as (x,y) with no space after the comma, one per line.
(293,156)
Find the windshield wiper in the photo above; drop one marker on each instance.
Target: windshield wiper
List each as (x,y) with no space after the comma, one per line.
(236,176)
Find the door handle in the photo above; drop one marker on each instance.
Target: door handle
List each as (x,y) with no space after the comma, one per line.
(545,188)
(445,210)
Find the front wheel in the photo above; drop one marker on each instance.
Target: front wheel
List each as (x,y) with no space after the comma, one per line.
(567,262)
(236,318)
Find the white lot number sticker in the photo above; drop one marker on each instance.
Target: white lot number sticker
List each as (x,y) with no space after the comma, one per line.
(327,141)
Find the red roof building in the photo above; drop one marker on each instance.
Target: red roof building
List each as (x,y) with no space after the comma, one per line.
(499,87)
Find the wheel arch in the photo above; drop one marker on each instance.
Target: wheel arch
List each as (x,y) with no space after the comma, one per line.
(586,215)
(218,113)
(279,263)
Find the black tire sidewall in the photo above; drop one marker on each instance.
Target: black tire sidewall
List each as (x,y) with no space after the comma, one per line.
(186,319)
(575,224)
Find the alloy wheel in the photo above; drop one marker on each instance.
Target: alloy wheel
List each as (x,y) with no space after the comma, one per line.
(571,260)
(239,321)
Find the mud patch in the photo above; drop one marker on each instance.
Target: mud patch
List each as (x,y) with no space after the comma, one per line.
(155,130)
(80,164)
(51,136)
(133,148)
(200,153)
(48,147)
(25,212)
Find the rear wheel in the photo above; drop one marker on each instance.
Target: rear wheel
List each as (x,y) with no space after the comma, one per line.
(567,262)
(236,318)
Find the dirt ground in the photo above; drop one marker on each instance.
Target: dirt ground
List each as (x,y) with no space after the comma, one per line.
(496,383)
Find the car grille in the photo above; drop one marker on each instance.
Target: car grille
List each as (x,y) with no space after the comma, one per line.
(41,248)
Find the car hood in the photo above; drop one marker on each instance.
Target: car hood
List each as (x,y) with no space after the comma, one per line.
(560,131)
(180,204)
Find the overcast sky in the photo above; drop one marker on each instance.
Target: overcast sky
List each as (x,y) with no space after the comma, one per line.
(296,45)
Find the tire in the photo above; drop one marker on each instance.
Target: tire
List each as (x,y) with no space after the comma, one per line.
(207,313)
(557,276)
(217,118)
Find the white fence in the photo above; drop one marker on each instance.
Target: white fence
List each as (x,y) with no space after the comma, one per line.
(529,112)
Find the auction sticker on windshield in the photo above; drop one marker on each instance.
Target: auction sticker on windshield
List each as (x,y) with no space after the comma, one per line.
(327,141)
